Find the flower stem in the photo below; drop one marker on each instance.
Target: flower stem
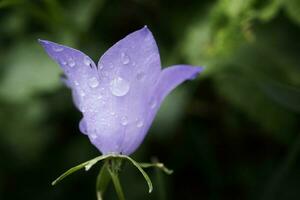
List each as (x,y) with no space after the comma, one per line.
(114,173)
(102,182)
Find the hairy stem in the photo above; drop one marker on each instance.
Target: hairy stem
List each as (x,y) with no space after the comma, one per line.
(102,182)
(114,169)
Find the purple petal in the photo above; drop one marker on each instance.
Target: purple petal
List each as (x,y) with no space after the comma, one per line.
(127,72)
(78,68)
(173,76)
(83,126)
(120,98)
(169,79)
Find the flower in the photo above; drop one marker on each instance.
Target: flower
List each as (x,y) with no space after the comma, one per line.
(121,95)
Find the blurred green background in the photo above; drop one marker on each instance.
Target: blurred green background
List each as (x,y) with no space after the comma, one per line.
(231,134)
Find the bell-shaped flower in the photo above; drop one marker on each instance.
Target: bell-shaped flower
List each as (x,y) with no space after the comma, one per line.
(120,96)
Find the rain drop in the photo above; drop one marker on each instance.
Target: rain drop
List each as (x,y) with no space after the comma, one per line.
(111,65)
(124,120)
(63,62)
(57,48)
(76,83)
(125,58)
(86,61)
(119,87)
(100,66)
(139,123)
(93,82)
(153,104)
(140,76)
(81,92)
(71,62)
(93,136)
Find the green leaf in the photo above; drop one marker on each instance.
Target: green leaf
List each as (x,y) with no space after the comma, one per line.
(87,165)
(7,3)
(283,94)
(28,71)
(270,10)
(292,8)
(82,13)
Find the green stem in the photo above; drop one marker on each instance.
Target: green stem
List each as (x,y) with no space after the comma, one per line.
(114,173)
(102,182)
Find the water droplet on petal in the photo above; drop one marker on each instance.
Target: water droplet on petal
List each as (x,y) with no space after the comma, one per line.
(100,66)
(140,76)
(81,92)
(57,48)
(76,83)
(119,87)
(93,82)
(63,62)
(86,61)
(125,58)
(93,136)
(153,104)
(139,123)
(71,62)
(82,109)
(111,65)
(124,120)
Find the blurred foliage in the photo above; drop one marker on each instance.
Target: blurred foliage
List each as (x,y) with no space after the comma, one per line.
(231,134)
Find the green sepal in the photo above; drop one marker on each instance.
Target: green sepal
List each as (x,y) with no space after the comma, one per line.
(158,165)
(87,165)
(136,164)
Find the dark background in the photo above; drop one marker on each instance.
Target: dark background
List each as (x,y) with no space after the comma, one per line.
(233,133)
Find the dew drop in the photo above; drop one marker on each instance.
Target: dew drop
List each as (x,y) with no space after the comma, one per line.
(153,104)
(139,123)
(86,61)
(57,48)
(76,83)
(82,109)
(100,66)
(125,58)
(140,76)
(111,65)
(93,136)
(71,62)
(124,120)
(63,62)
(93,82)
(81,92)
(119,87)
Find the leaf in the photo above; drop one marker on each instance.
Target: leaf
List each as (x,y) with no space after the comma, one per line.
(87,165)
(82,13)
(7,3)
(270,10)
(292,8)
(28,71)
(285,95)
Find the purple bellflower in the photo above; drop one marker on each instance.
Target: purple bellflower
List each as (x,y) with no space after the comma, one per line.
(121,95)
